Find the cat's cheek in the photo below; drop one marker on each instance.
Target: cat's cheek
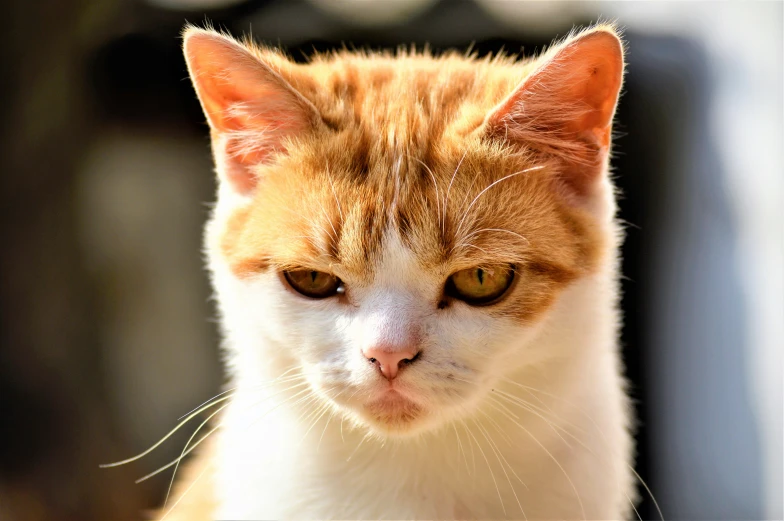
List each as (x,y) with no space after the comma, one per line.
(486,345)
(264,326)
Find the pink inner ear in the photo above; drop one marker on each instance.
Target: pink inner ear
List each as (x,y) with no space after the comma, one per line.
(599,62)
(565,107)
(251,109)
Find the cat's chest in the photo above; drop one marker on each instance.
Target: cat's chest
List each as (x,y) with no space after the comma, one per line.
(275,466)
(275,469)
(323,494)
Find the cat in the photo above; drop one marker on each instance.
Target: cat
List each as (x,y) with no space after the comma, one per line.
(415,259)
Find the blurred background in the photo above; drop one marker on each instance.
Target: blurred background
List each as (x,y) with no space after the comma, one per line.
(107,333)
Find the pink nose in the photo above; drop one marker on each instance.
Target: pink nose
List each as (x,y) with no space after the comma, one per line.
(389,362)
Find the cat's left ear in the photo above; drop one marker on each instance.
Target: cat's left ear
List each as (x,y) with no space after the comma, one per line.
(564,108)
(252,110)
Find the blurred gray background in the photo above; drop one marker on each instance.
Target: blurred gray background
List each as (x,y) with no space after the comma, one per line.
(107,333)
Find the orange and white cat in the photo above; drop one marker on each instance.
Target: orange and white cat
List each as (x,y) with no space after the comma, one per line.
(415,260)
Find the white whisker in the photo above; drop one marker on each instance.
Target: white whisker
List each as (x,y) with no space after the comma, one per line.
(555,460)
(323,409)
(460,448)
(500,230)
(526,407)
(358,446)
(185,450)
(501,461)
(601,433)
(494,183)
(435,186)
(206,402)
(449,189)
(335,195)
(166,437)
(489,467)
(185,493)
(278,379)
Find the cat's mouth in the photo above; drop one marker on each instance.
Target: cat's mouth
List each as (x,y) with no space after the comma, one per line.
(393,411)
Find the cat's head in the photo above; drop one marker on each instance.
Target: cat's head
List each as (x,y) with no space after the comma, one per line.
(397,227)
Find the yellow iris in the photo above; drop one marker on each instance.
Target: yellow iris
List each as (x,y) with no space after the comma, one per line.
(480,285)
(313,284)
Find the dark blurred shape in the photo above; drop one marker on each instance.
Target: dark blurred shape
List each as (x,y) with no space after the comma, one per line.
(137,79)
(680,248)
(56,424)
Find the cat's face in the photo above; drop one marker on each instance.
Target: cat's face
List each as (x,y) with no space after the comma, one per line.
(396,229)
(404,304)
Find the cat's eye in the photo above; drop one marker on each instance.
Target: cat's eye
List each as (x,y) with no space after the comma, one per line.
(480,286)
(313,284)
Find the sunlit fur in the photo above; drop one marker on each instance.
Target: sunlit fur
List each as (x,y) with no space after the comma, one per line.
(392,172)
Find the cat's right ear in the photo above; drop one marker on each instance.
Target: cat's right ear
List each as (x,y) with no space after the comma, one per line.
(252,111)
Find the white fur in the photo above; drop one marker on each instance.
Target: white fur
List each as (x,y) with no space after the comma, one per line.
(277,460)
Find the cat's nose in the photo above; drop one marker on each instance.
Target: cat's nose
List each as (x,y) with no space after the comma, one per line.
(389,362)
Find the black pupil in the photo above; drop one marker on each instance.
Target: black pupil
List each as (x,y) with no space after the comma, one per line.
(313,275)
(480,274)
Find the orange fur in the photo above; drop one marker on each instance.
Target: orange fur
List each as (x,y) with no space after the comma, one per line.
(412,140)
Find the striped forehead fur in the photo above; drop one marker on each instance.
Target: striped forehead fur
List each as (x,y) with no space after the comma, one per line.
(402,143)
